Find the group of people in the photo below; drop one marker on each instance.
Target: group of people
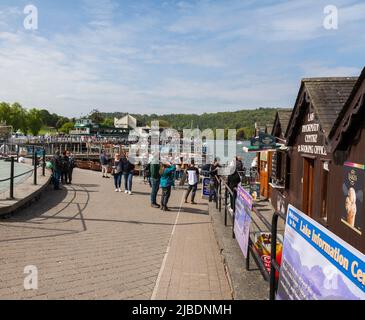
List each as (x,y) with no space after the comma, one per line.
(62,168)
(121,167)
(164,174)
(160,174)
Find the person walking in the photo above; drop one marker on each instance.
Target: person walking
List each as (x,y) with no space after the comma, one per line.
(128,172)
(71,166)
(213,185)
(104,162)
(193,180)
(65,163)
(167,181)
(155,181)
(117,172)
(56,170)
(233,181)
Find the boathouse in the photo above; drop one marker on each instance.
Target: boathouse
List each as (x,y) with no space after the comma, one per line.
(318,104)
(346,186)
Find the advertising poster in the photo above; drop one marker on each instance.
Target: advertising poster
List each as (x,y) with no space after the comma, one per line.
(243,218)
(205,188)
(353,196)
(262,245)
(318,265)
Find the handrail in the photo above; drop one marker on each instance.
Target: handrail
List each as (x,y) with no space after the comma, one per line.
(274,265)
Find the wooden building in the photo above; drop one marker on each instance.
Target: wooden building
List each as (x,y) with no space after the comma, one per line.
(319,102)
(346,186)
(278,170)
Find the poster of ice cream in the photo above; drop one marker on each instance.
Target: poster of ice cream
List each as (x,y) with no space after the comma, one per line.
(353,196)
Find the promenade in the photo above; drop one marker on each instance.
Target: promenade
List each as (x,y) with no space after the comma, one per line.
(89,242)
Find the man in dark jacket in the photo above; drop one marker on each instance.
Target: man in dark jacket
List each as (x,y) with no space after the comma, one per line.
(155,180)
(56,175)
(104,162)
(233,181)
(65,163)
(128,172)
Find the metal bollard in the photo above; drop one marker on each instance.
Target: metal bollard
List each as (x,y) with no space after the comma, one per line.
(44,163)
(35,167)
(11,196)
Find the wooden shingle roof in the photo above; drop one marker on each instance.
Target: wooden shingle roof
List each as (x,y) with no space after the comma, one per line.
(284,118)
(351,114)
(327,96)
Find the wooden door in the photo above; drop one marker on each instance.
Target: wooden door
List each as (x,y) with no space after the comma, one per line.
(264,179)
(308,186)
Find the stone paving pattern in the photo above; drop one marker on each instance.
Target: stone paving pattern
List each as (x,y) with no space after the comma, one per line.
(89,242)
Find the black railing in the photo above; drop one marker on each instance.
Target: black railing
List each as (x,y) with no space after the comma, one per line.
(275,267)
(35,163)
(252,252)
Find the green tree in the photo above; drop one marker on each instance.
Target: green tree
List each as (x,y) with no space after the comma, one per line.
(60,122)
(67,127)
(18,118)
(5,112)
(162,123)
(34,121)
(108,122)
(96,116)
(241,134)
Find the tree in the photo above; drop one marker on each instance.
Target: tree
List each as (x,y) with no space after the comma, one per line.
(18,118)
(67,127)
(96,116)
(60,122)
(162,123)
(241,134)
(34,121)
(5,112)
(108,122)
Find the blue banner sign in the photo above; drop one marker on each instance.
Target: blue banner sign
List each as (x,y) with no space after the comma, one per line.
(318,265)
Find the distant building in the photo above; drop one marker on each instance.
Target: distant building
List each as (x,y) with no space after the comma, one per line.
(84,127)
(126,122)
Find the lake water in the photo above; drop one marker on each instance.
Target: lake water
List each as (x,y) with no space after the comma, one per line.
(247,158)
(19,168)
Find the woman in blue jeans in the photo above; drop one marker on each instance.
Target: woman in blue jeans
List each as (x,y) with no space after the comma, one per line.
(117,172)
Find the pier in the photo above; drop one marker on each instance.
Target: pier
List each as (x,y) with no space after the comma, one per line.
(89,242)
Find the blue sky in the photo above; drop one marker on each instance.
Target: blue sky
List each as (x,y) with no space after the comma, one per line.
(173,56)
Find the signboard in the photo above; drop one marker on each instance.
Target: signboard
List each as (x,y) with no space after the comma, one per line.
(243,218)
(353,196)
(205,188)
(262,245)
(263,140)
(318,265)
(312,140)
(255,190)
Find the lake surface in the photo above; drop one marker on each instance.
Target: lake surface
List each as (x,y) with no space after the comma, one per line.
(19,168)
(247,158)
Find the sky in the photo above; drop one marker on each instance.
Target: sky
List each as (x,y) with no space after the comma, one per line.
(173,56)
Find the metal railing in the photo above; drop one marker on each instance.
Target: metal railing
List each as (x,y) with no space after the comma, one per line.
(252,252)
(35,163)
(274,265)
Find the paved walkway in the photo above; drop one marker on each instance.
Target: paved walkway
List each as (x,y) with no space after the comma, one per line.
(89,242)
